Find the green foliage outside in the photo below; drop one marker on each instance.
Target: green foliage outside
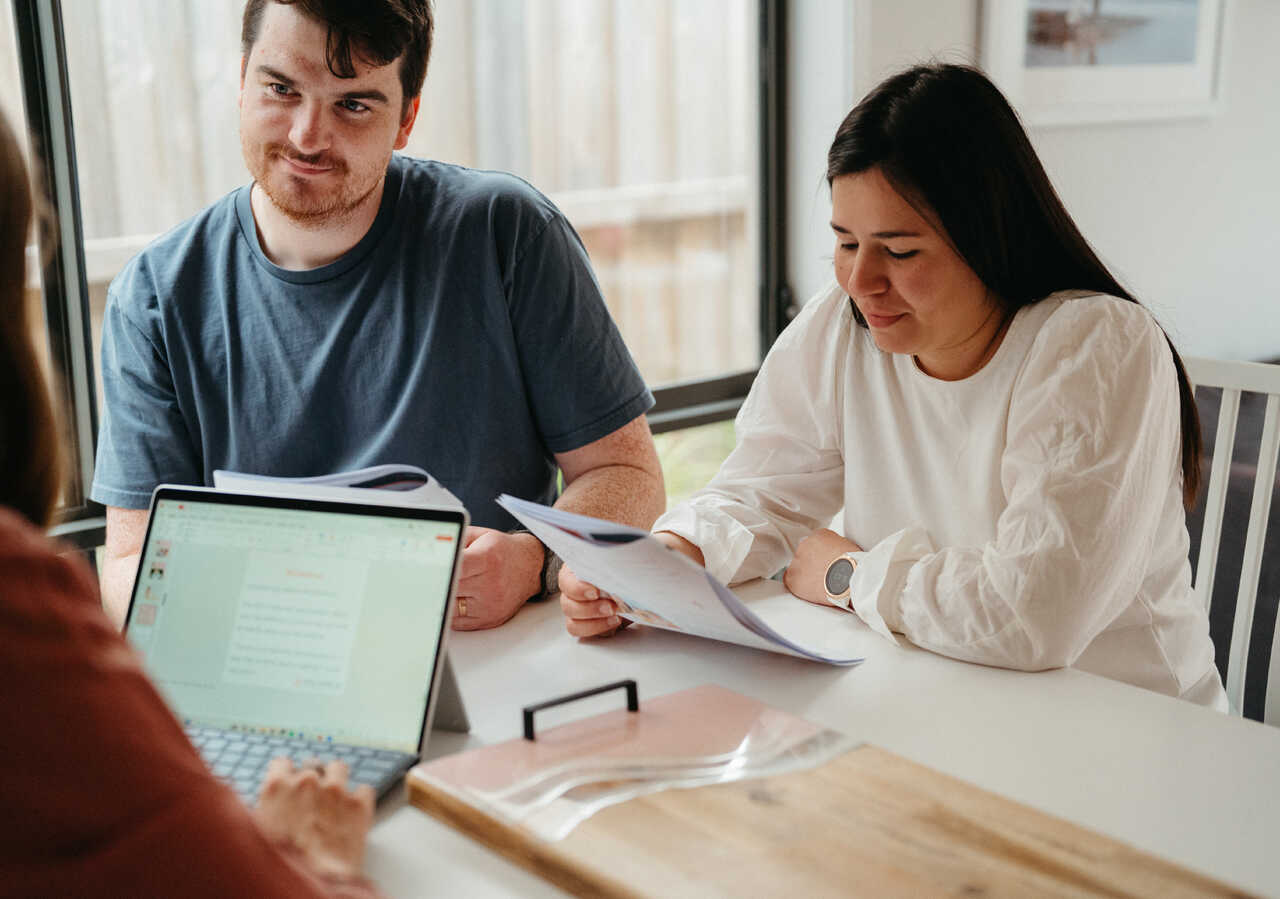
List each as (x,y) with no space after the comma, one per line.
(691,456)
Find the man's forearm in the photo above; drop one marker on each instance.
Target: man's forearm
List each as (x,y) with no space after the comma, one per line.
(626,494)
(118,573)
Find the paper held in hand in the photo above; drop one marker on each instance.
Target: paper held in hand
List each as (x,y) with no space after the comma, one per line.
(380,485)
(658,587)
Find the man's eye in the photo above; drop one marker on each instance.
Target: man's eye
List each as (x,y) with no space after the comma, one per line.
(848,246)
(353,106)
(904,255)
(278,89)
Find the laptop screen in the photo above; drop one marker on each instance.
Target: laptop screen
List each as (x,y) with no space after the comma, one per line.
(295,618)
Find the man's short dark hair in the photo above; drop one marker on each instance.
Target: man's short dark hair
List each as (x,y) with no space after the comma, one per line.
(377,32)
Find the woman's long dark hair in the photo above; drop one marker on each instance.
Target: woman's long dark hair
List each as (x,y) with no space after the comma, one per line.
(949,142)
(30,454)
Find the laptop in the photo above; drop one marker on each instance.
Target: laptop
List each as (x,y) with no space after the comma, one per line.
(300,627)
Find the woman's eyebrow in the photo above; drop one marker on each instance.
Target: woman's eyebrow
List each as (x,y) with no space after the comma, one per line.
(880,235)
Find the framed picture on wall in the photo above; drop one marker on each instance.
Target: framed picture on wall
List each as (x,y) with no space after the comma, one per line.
(1064,62)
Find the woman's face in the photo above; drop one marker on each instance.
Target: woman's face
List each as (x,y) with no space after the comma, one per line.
(915,292)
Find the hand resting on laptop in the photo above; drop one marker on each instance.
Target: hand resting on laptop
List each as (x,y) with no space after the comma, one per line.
(310,808)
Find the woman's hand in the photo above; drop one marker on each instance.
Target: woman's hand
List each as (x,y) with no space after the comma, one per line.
(589,611)
(311,809)
(806,575)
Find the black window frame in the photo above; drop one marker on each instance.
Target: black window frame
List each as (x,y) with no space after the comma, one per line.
(47,101)
(47,94)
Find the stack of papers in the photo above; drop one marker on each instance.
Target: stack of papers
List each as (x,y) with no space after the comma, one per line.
(655,586)
(380,485)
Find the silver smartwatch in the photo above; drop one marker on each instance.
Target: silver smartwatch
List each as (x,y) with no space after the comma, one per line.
(838,578)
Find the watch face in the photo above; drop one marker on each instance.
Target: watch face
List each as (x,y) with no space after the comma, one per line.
(838,575)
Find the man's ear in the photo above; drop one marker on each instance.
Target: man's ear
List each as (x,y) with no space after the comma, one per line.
(406,122)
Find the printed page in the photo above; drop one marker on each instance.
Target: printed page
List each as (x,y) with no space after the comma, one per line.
(653,585)
(825,630)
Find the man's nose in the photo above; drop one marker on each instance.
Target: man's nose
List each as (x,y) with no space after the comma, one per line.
(308,132)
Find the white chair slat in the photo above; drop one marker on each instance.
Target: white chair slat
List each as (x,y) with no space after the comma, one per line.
(1235,378)
(1216,500)
(1271,711)
(1255,538)
(1255,377)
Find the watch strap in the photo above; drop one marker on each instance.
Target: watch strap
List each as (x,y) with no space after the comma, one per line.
(551,565)
(549,576)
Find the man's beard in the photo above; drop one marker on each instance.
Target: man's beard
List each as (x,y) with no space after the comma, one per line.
(307,205)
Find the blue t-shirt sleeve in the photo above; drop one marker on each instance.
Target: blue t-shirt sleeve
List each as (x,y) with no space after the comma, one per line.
(143,438)
(581,379)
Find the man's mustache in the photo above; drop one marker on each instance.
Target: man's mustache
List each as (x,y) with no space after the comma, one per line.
(312,159)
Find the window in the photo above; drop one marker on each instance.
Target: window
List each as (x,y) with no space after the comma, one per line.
(643,121)
(690,456)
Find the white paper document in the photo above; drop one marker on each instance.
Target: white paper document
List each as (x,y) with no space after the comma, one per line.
(380,485)
(664,589)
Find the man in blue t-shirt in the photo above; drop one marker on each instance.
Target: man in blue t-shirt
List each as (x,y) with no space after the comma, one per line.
(352,307)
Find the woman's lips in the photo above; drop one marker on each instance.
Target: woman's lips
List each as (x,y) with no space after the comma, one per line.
(881,321)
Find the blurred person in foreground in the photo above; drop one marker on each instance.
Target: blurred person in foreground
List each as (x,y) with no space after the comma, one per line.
(103,794)
(1011,436)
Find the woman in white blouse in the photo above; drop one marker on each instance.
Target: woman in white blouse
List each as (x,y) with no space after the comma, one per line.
(1010,434)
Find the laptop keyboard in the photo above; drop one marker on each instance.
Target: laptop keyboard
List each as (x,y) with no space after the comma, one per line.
(240,759)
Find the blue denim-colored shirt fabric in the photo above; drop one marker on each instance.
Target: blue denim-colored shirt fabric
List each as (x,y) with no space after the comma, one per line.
(465,333)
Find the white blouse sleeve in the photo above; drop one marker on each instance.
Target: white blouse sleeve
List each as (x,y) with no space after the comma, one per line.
(1093,448)
(784,479)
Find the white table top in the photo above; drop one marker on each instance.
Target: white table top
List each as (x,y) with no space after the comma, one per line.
(1180,781)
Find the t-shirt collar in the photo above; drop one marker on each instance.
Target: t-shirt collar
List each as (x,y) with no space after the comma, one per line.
(341,265)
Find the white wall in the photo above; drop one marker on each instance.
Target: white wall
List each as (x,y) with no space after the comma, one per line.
(821,79)
(1187,213)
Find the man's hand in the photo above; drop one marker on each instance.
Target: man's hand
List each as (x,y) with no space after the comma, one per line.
(499,573)
(589,611)
(311,809)
(119,561)
(806,575)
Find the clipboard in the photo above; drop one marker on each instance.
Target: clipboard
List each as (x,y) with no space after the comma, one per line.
(848,820)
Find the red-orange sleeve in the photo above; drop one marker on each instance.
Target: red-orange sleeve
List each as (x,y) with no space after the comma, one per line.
(102,792)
